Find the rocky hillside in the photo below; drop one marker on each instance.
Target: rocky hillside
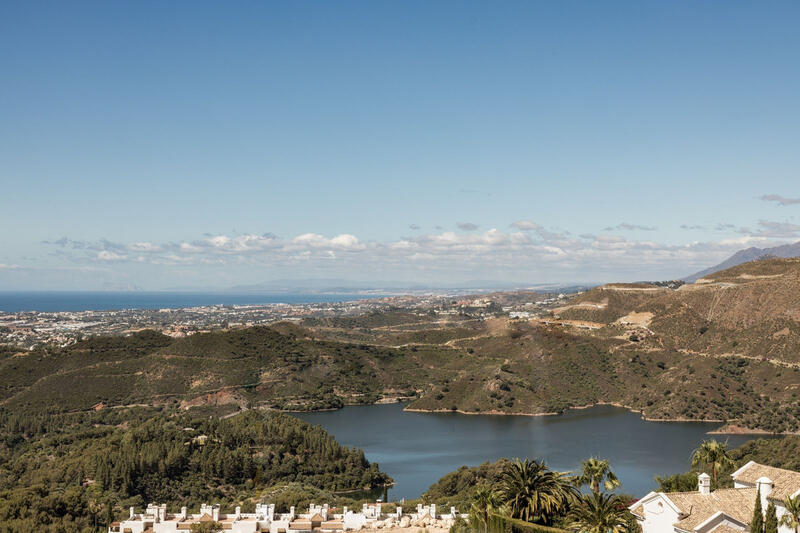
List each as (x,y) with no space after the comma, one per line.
(751,310)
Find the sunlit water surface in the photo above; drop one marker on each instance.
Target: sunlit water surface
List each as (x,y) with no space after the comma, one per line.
(416,449)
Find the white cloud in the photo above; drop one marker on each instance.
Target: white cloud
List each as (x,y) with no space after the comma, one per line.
(780,200)
(529,251)
(314,240)
(346,241)
(525,225)
(144,247)
(218,241)
(769,229)
(627,226)
(105,255)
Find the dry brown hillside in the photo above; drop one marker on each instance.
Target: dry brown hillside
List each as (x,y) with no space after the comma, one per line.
(752,310)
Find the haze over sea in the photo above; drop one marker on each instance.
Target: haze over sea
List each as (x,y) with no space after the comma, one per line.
(53,301)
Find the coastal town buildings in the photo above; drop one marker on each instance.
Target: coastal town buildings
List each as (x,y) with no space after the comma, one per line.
(728,510)
(318,519)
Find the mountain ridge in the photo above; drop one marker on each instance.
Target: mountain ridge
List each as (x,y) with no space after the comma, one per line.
(746,255)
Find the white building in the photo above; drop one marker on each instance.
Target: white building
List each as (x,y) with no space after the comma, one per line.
(722,510)
(318,519)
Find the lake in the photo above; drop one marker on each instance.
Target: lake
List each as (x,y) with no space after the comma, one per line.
(417,449)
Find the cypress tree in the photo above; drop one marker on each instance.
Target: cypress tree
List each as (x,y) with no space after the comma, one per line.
(109,512)
(771,522)
(757,523)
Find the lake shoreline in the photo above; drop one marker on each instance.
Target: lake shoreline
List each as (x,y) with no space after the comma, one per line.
(725,429)
(417,447)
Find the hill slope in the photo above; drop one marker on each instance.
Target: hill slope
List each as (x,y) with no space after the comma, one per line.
(751,310)
(747,255)
(725,348)
(59,472)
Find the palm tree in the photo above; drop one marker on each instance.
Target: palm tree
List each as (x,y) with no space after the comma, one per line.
(595,471)
(714,454)
(599,513)
(534,493)
(791,517)
(484,502)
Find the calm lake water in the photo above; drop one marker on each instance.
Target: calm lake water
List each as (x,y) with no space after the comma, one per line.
(417,449)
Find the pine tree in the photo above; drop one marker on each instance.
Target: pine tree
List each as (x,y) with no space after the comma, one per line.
(757,524)
(771,522)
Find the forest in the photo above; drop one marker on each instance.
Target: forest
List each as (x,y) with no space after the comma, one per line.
(77,472)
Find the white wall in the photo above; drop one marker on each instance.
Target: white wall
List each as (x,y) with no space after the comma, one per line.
(780,510)
(659,516)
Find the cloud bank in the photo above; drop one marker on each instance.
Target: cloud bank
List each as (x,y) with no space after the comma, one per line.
(526,252)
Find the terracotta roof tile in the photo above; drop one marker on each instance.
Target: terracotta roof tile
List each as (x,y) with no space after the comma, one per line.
(696,508)
(723,528)
(786,482)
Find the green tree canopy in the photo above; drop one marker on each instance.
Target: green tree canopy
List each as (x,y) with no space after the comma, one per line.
(771,521)
(791,517)
(599,513)
(596,472)
(757,523)
(534,493)
(713,454)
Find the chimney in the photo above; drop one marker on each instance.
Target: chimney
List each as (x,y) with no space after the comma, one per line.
(183,512)
(344,510)
(215,512)
(764,486)
(238,512)
(704,483)
(131,510)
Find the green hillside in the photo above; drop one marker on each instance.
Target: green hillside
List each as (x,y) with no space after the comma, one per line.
(67,472)
(723,349)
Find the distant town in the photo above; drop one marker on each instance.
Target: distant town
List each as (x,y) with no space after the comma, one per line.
(28,329)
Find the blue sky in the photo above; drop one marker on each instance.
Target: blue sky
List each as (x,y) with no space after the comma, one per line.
(168,144)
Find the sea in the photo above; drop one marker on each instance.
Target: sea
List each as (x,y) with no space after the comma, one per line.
(54,301)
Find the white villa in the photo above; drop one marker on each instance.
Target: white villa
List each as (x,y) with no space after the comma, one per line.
(318,519)
(720,511)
